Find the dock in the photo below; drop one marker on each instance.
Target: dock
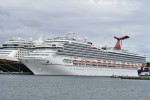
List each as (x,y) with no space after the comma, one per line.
(136,78)
(17,73)
(142,77)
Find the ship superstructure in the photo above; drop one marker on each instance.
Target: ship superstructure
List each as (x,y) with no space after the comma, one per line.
(70,56)
(13,49)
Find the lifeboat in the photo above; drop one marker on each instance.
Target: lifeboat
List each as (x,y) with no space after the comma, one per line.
(88,62)
(104,63)
(81,61)
(94,63)
(99,63)
(111,65)
(75,61)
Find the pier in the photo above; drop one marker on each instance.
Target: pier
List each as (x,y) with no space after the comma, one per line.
(132,77)
(17,73)
(136,78)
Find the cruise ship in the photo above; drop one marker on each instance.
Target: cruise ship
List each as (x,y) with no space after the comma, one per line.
(71,56)
(13,49)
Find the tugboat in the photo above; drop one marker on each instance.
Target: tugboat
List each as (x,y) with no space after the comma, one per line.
(144,70)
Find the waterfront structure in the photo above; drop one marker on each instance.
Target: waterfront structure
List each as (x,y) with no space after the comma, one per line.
(70,56)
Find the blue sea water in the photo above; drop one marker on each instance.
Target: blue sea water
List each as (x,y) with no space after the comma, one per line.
(30,87)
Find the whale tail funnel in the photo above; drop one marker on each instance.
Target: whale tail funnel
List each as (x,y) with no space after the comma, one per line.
(119,40)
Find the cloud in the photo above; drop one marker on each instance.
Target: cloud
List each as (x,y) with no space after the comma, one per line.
(99,20)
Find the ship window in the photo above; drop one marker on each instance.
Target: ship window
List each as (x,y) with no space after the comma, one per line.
(53,44)
(16,45)
(4,44)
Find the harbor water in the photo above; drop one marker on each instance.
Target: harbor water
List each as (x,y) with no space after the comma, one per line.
(30,87)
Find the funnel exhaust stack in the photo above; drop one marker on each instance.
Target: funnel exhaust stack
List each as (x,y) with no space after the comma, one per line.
(119,40)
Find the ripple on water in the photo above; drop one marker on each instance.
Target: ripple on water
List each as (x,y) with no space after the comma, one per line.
(29,87)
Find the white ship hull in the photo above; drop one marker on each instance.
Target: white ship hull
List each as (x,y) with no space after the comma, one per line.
(71,56)
(56,66)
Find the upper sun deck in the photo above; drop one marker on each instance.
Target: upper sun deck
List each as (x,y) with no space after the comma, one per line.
(19,43)
(14,43)
(67,39)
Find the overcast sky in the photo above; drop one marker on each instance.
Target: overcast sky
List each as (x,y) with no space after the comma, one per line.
(98,20)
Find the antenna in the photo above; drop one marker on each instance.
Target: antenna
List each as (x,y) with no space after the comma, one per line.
(40,39)
(30,39)
(85,39)
(118,44)
(69,34)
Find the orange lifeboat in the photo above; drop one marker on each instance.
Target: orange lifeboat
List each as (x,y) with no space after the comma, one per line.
(99,63)
(94,63)
(81,61)
(88,62)
(75,61)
